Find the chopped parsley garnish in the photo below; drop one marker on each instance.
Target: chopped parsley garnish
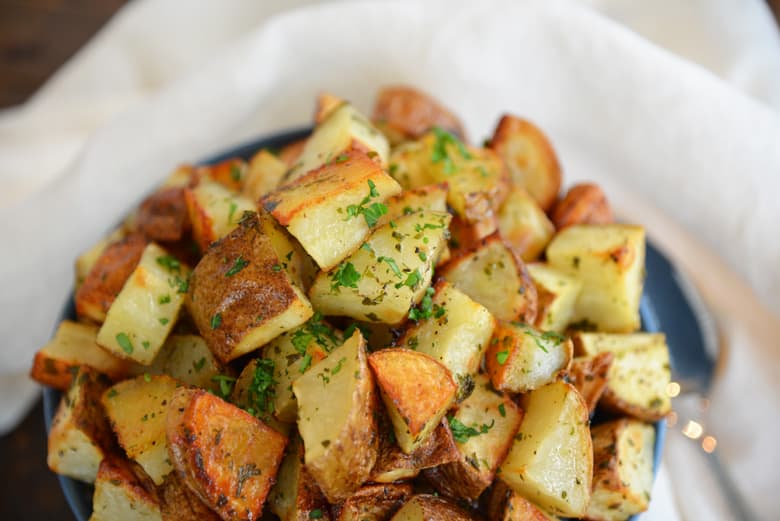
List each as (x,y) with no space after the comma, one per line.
(276,268)
(263,388)
(441,154)
(232,210)
(412,280)
(353,326)
(216,321)
(235,172)
(164,321)
(337,367)
(540,337)
(169,262)
(393,266)
(341,158)
(226,384)
(315,514)
(246,471)
(165,299)
(462,432)
(112,393)
(199,364)
(238,265)
(370,213)
(502,410)
(147,377)
(425,309)
(502,356)
(124,342)
(344,276)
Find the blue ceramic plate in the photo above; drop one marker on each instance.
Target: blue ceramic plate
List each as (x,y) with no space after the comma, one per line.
(664,308)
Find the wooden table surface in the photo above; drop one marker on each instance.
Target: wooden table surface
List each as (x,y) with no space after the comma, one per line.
(36,38)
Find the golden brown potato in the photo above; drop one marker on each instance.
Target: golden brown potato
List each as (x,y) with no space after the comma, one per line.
(495,277)
(80,436)
(264,174)
(524,225)
(393,464)
(240,296)
(589,375)
(227,457)
(326,104)
(623,463)
(336,405)
(163,215)
(521,358)
(214,211)
(403,113)
(188,359)
(530,158)
(332,209)
(466,235)
(484,427)
(424,507)
(504,504)
(74,345)
(373,502)
(107,276)
(417,391)
(230,173)
(85,262)
(557,295)
(179,503)
(584,203)
(124,493)
(425,198)
(295,496)
(291,153)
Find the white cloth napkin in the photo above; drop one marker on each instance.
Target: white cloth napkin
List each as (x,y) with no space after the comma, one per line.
(694,154)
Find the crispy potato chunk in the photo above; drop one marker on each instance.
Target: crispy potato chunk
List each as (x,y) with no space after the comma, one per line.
(623,479)
(227,456)
(87,260)
(484,427)
(424,507)
(137,410)
(389,274)
(264,174)
(336,404)
(240,296)
(331,210)
(373,502)
(530,158)
(551,459)
(504,504)
(230,173)
(327,103)
(417,391)
(214,211)
(432,198)
(107,277)
(294,260)
(456,334)
(583,204)
(521,358)
(291,153)
(188,359)
(295,496)
(557,295)
(393,464)
(123,493)
(80,436)
(74,345)
(147,308)
(343,130)
(404,113)
(163,215)
(638,376)
(524,225)
(609,260)
(179,503)
(589,375)
(495,277)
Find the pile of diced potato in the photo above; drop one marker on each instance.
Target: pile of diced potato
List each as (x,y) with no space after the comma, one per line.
(379,322)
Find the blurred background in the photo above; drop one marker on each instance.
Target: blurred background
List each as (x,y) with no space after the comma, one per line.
(36,38)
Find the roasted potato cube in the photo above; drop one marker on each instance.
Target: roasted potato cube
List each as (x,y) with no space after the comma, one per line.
(530,158)
(524,225)
(80,436)
(551,459)
(521,358)
(589,375)
(393,464)
(240,295)
(255,391)
(417,391)
(187,358)
(583,204)
(495,277)
(466,235)
(331,209)
(264,174)
(107,277)
(214,211)
(163,215)
(424,507)
(336,402)
(179,503)
(404,113)
(87,260)
(609,260)
(327,103)
(295,496)
(228,457)
(623,479)
(373,502)
(431,198)
(230,173)
(137,410)
(74,345)
(292,152)
(343,130)
(504,504)
(484,428)
(639,374)
(456,334)
(557,295)
(146,309)
(382,280)
(123,493)
(293,258)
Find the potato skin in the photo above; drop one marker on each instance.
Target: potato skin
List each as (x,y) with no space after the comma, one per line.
(503,504)
(373,502)
(179,503)
(107,276)
(405,113)
(589,376)
(163,215)
(140,498)
(584,203)
(425,507)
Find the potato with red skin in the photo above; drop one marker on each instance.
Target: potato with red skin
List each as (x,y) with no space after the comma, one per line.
(373,502)
(228,457)
(124,493)
(584,203)
(163,215)
(424,507)
(107,277)
(589,375)
(179,503)
(404,113)
(504,504)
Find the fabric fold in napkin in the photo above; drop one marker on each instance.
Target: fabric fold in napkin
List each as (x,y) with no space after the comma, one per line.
(694,158)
